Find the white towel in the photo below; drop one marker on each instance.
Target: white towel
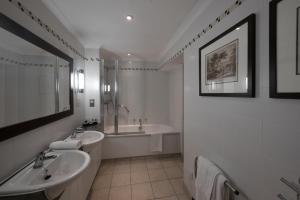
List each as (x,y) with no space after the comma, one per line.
(64,145)
(219,188)
(206,176)
(156,142)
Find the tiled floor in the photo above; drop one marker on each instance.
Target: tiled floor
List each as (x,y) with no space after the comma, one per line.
(140,178)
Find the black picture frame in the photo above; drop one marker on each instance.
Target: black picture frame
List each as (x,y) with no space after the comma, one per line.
(273,55)
(251,59)
(20,128)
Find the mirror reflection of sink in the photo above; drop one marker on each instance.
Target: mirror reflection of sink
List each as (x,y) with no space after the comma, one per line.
(52,178)
(89,139)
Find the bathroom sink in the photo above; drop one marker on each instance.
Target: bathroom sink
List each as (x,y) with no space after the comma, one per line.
(62,170)
(89,139)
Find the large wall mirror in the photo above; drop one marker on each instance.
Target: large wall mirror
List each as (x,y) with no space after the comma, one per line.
(35,81)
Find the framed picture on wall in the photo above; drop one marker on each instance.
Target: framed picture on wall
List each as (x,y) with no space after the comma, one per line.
(285,49)
(227,63)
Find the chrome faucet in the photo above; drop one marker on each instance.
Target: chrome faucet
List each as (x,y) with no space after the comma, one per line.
(39,160)
(141,124)
(76,131)
(125,107)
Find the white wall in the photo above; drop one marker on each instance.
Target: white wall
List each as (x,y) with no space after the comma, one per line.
(175,77)
(92,85)
(256,141)
(17,151)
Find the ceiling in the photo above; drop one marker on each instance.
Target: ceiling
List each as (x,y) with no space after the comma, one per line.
(102,23)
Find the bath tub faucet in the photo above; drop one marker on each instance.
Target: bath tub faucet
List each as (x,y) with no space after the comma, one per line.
(125,107)
(141,124)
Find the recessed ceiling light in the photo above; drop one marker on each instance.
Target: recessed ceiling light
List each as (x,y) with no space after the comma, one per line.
(129,18)
(129,54)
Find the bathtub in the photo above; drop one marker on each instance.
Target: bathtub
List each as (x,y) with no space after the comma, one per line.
(147,129)
(130,141)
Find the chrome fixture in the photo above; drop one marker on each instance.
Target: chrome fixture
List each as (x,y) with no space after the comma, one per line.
(141,124)
(292,186)
(39,161)
(116,97)
(280,196)
(46,173)
(102,94)
(233,190)
(76,131)
(125,107)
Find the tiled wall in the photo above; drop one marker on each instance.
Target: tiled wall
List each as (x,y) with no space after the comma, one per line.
(145,93)
(256,141)
(92,85)
(16,151)
(175,78)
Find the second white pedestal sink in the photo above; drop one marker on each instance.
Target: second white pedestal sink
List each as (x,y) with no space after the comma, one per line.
(52,178)
(89,139)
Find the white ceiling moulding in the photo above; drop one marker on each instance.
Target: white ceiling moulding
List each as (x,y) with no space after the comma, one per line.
(188,21)
(204,31)
(60,16)
(45,26)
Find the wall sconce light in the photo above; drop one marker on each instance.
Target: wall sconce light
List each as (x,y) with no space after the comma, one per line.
(80,80)
(106,88)
(78,83)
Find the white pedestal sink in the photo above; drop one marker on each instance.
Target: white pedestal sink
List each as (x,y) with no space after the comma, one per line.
(63,170)
(89,139)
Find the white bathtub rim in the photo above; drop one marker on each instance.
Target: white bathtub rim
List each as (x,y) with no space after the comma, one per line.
(165,129)
(139,134)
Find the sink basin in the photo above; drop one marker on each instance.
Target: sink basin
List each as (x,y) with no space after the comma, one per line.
(89,139)
(63,170)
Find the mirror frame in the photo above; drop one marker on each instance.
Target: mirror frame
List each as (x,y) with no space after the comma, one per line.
(19,128)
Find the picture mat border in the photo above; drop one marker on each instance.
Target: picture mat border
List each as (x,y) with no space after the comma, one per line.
(273,56)
(217,50)
(251,20)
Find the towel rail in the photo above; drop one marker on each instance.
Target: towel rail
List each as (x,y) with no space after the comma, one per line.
(227,183)
(281,197)
(291,185)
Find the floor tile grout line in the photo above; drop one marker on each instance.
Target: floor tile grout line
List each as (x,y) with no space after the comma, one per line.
(147,169)
(150,184)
